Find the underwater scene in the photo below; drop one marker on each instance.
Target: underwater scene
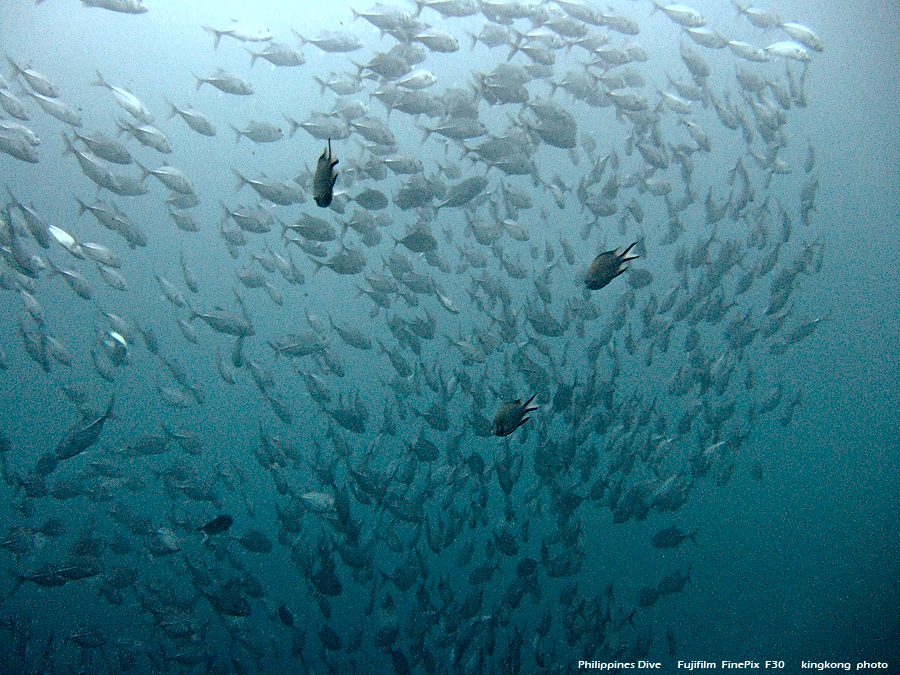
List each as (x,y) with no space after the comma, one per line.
(449,336)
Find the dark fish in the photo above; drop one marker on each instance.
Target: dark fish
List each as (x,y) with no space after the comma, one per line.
(323,181)
(672,536)
(285,615)
(371,199)
(255,541)
(606,267)
(512,415)
(674,582)
(757,471)
(420,241)
(84,436)
(326,581)
(217,525)
(329,638)
(227,600)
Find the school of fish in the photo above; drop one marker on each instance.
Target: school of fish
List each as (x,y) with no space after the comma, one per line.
(552,285)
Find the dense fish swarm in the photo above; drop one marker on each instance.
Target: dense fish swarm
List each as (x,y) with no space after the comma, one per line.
(438,425)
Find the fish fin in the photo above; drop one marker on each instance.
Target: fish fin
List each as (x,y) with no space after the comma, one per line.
(217,35)
(173,109)
(241,180)
(144,170)
(294,123)
(99,82)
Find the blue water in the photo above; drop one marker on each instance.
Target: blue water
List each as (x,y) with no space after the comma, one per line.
(799,566)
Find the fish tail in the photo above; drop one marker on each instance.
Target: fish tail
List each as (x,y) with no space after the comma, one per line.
(241,180)
(144,170)
(693,536)
(20,579)
(274,347)
(109,408)
(69,149)
(217,35)
(173,110)
(82,207)
(321,84)
(13,65)
(99,82)
(294,123)
(199,80)
(15,202)
(299,37)
(226,213)
(237,139)
(517,42)
(319,265)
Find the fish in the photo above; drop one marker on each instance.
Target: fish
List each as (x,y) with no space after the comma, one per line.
(121,6)
(225,322)
(226,82)
(131,103)
(173,178)
(238,34)
(37,226)
(332,42)
(606,267)
(761,18)
(147,135)
(83,435)
(647,385)
(218,525)
(13,105)
(67,241)
(194,119)
(104,147)
(278,54)
(420,241)
(37,81)
(258,132)
(672,537)
(371,199)
(804,35)
(325,178)
(683,15)
(17,145)
(789,50)
(57,108)
(284,614)
(511,415)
